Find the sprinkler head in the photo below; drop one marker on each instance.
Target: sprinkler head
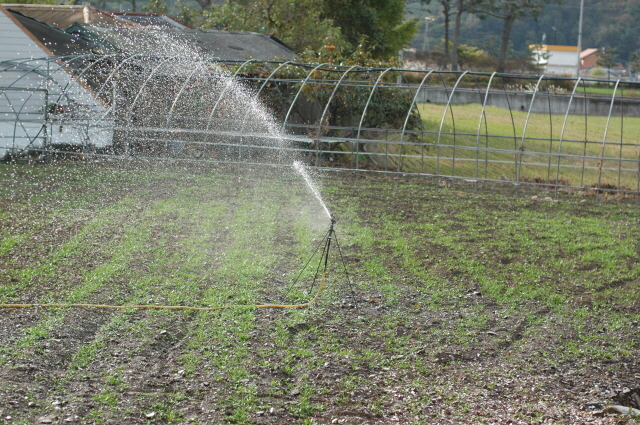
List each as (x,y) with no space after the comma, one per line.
(333,219)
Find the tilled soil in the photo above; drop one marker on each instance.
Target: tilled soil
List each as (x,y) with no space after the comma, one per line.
(414,336)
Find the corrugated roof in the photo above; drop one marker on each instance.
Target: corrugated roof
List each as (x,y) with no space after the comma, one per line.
(151,19)
(553,48)
(57,41)
(122,36)
(227,45)
(64,16)
(562,48)
(240,45)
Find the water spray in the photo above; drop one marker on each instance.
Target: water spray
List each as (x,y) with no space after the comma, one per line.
(323,264)
(299,167)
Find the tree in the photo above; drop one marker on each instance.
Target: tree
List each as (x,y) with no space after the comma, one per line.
(380,21)
(469,56)
(510,11)
(447,12)
(156,6)
(204,4)
(461,7)
(456,34)
(233,16)
(297,23)
(538,57)
(30,2)
(313,24)
(634,63)
(607,59)
(188,15)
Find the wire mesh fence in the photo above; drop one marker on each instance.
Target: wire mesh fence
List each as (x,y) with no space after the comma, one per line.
(563,133)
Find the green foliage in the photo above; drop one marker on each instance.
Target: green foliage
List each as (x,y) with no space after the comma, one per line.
(387,109)
(604,25)
(313,24)
(382,23)
(233,16)
(469,55)
(29,2)
(188,15)
(156,6)
(298,23)
(598,72)
(607,57)
(480,287)
(510,11)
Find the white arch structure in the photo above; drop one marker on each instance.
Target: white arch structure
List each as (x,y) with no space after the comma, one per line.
(454,127)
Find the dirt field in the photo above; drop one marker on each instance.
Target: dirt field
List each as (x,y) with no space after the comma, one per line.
(461,308)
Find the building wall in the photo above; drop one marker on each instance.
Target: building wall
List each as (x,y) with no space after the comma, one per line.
(15,43)
(564,70)
(560,60)
(563,58)
(26,95)
(590,61)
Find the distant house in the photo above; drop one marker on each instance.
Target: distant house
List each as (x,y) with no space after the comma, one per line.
(589,58)
(556,60)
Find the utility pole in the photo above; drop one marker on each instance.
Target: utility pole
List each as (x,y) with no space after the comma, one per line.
(579,38)
(425,42)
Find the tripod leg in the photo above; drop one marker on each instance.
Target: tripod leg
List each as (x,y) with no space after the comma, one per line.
(346,273)
(295,281)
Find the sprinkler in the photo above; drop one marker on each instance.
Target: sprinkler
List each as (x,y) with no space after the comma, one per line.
(325,243)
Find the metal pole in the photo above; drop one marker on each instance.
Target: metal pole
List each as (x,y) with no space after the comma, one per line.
(604,140)
(425,41)
(579,38)
(524,136)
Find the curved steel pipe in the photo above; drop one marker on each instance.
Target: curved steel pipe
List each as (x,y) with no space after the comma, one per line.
(604,139)
(364,112)
(295,99)
(406,119)
(444,116)
(326,108)
(524,132)
(564,126)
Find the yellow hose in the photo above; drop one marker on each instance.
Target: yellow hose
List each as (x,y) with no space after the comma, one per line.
(175,307)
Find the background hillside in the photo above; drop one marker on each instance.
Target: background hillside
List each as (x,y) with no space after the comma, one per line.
(607,23)
(611,23)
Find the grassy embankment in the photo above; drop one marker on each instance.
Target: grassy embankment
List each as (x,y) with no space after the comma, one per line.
(541,146)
